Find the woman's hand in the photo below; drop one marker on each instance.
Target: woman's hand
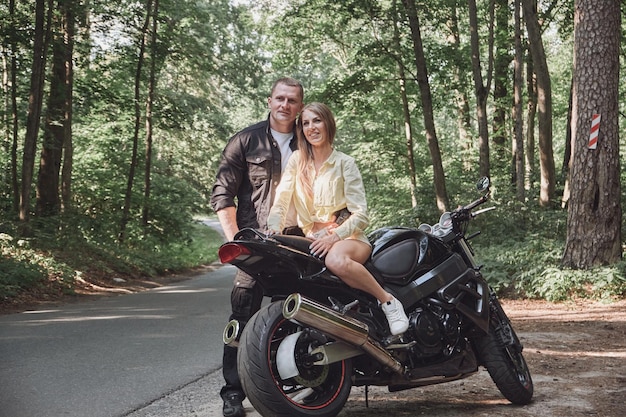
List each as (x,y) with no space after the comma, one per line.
(321,246)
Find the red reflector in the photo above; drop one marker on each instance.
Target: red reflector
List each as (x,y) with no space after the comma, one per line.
(231,251)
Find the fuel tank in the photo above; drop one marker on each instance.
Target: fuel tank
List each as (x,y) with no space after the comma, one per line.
(401,254)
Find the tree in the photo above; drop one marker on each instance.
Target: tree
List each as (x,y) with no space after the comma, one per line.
(481,89)
(69,13)
(9,84)
(461,96)
(427,106)
(544,102)
(501,79)
(594,216)
(149,120)
(406,112)
(531,112)
(134,160)
(58,114)
(42,29)
(518,130)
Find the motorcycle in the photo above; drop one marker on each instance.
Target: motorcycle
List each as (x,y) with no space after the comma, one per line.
(301,353)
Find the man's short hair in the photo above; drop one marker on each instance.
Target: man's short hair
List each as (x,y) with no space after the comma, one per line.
(291,82)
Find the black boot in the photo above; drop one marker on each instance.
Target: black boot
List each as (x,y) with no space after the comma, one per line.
(233,406)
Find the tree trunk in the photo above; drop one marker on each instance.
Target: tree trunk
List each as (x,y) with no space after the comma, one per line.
(5,175)
(481,91)
(427,106)
(594,219)
(544,102)
(149,106)
(5,110)
(408,130)
(408,135)
(462,101)
(502,59)
(134,157)
(48,200)
(567,152)
(35,100)
(518,108)
(531,111)
(15,187)
(68,144)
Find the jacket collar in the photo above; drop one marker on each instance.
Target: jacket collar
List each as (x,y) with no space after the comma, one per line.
(293,144)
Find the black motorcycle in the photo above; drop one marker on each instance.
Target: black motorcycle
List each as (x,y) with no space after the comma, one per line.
(301,354)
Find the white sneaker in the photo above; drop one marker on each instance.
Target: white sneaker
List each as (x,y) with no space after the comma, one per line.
(398,321)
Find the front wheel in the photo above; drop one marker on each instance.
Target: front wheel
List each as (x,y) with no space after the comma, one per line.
(500,352)
(316,390)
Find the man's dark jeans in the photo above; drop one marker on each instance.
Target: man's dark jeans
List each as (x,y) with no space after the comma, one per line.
(245,301)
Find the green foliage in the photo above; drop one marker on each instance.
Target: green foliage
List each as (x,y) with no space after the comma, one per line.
(60,254)
(16,276)
(23,268)
(559,284)
(198,246)
(521,252)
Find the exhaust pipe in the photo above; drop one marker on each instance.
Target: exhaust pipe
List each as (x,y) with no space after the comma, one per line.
(348,329)
(231,334)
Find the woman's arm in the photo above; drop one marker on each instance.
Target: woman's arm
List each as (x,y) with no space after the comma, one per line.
(356,201)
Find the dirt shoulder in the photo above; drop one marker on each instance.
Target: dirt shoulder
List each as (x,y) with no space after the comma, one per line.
(577,356)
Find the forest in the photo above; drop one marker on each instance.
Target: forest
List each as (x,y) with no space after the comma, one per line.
(115,113)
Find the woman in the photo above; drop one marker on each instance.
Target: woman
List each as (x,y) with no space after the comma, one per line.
(321,181)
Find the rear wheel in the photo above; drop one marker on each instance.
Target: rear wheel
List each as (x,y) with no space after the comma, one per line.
(316,390)
(501,353)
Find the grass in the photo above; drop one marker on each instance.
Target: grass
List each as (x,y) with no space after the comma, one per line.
(56,265)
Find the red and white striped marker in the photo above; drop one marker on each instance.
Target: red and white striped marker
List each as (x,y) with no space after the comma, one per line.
(595,129)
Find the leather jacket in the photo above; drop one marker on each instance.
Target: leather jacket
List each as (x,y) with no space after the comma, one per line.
(248,174)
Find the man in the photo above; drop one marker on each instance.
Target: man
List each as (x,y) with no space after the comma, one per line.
(247,177)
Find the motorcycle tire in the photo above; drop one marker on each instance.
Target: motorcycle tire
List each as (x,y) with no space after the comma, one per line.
(501,353)
(318,390)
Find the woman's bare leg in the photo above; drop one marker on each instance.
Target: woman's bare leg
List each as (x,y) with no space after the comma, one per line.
(345,259)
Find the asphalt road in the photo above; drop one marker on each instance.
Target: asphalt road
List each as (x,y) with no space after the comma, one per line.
(120,355)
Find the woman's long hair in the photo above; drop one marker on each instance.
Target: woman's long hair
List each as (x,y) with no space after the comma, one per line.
(322,111)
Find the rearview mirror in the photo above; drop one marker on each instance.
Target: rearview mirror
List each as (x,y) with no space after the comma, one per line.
(483,184)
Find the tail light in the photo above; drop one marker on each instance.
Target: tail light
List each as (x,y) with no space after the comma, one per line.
(230,252)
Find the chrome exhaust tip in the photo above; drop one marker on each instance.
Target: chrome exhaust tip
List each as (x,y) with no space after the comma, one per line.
(231,334)
(291,305)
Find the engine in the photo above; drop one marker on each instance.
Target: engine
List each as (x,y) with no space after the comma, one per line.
(435,331)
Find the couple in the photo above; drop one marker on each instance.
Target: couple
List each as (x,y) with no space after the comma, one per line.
(316,180)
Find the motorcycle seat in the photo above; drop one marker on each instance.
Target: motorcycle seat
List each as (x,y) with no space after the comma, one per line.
(298,242)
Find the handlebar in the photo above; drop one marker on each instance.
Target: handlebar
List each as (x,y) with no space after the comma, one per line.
(476,203)
(454,223)
(464,213)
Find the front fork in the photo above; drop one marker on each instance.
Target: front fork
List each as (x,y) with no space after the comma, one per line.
(502,325)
